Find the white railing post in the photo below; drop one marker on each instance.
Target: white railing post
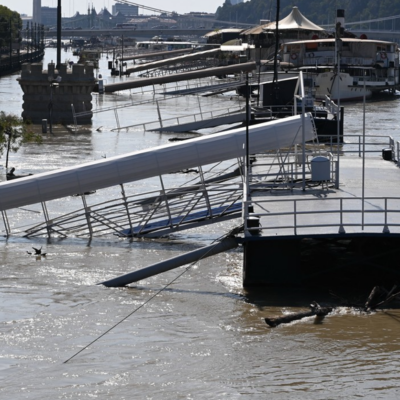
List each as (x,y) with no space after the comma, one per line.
(159,114)
(201,112)
(49,222)
(341,227)
(398,153)
(385,227)
(6,223)
(117,119)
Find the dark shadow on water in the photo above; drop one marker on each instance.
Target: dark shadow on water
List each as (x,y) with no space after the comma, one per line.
(303,297)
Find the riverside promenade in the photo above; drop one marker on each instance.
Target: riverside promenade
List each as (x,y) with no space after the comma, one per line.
(14,63)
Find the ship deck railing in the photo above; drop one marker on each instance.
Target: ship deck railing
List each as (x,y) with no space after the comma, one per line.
(156,212)
(317,60)
(328,215)
(361,195)
(353,143)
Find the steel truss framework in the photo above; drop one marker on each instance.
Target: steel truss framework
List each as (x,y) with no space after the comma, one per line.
(216,194)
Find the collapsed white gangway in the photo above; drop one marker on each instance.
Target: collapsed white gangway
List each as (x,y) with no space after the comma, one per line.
(154,162)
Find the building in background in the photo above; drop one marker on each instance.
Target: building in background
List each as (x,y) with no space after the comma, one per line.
(234,2)
(49,16)
(37,12)
(125,9)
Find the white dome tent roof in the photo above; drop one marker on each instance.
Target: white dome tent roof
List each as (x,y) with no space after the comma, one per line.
(295,20)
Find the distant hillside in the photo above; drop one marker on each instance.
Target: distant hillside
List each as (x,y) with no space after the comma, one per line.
(318,11)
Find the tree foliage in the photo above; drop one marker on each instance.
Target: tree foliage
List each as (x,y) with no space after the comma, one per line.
(14,132)
(321,12)
(9,20)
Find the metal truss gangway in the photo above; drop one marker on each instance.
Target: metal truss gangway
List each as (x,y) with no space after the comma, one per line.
(214,195)
(159,124)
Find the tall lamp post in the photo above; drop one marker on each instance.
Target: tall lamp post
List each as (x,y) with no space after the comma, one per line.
(338,48)
(53,82)
(11,49)
(58,34)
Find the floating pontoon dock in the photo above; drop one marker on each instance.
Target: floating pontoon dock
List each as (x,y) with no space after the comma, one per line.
(320,234)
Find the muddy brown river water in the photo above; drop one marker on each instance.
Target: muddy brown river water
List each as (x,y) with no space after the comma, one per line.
(204,336)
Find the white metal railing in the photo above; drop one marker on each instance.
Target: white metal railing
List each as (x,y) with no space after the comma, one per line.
(205,198)
(332,107)
(354,144)
(381,79)
(182,119)
(142,217)
(289,172)
(326,60)
(298,216)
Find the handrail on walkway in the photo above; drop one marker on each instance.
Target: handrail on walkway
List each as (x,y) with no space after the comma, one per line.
(294,216)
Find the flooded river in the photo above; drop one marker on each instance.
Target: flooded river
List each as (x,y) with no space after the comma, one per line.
(185,334)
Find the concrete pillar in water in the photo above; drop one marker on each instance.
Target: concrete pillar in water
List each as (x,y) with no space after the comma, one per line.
(57,90)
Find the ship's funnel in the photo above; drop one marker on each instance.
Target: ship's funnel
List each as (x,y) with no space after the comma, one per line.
(340,17)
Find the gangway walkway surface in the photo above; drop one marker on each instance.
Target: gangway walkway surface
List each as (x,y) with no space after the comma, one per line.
(205,123)
(154,162)
(218,71)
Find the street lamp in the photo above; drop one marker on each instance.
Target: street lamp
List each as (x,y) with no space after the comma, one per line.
(53,83)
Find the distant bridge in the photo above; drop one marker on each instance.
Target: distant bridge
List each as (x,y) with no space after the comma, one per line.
(144,34)
(392,36)
(128,32)
(387,28)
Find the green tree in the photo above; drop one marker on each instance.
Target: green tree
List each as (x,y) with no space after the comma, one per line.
(10,22)
(14,133)
(318,11)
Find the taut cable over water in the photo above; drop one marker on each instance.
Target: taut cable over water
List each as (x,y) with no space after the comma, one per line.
(217,241)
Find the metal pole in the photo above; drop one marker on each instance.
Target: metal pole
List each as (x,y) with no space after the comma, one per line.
(19,39)
(8,148)
(10,27)
(363,163)
(121,63)
(338,46)
(259,77)
(303,133)
(59,22)
(51,108)
(201,112)
(278,6)
(31,41)
(247,126)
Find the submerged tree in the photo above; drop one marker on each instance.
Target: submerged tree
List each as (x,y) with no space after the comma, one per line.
(14,133)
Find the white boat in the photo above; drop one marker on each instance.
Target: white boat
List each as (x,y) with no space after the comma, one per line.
(366,66)
(159,44)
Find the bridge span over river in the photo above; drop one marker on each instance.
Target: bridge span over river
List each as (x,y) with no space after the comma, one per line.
(127,32)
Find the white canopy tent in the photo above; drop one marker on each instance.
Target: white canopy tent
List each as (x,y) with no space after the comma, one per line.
(295,20)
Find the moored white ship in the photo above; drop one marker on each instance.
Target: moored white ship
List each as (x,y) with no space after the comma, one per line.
(366,66)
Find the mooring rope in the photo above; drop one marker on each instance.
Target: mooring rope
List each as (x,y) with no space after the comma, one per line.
(216,241)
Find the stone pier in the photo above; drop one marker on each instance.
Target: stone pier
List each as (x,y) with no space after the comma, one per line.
(56,92)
